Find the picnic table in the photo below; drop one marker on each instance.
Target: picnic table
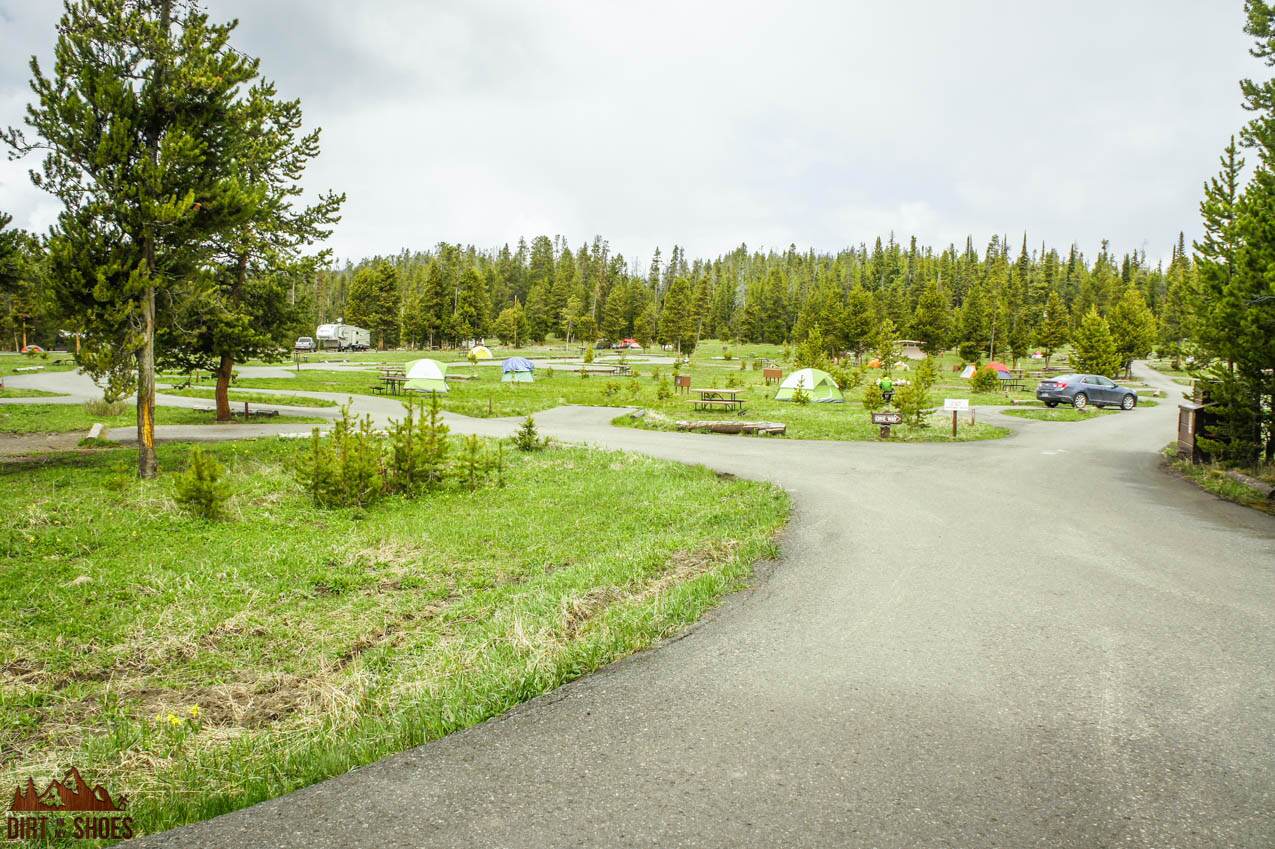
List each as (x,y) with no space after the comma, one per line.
(391,382)
(709,399)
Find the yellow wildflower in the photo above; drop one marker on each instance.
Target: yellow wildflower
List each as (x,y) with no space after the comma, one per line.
(174,719)
(194,711)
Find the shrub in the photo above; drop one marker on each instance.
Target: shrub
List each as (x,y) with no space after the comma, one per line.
(800,396)
(474,465)
(345,469)
(927,373)
(588,353)
(102,408)
(418,449)
(873,400)
(528,438)
(846,378)
(913,399)
(663,390)
(611,389)
(970,352)
(985,380)
(200,489)
(731,381)
(726,354)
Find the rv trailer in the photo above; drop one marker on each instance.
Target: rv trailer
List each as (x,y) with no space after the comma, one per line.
(342,337)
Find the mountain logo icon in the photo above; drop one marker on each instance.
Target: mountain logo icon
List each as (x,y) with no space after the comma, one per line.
(72,793)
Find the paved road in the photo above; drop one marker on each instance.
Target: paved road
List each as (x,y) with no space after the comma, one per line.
(1038,642)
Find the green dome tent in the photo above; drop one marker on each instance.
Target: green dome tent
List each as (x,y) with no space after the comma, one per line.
(819,385)
(426,376)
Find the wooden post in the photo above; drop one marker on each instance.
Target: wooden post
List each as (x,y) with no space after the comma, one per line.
(954,424)
(245,409)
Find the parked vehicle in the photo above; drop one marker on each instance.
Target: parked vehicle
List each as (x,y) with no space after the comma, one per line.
(305,344)
(342,337)
(1081,390)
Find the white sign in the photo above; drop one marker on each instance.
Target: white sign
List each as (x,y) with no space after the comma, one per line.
(955,404)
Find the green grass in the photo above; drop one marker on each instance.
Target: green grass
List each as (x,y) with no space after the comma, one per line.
(240,396)
(23,392)
(1058,414)
(315,641)
(63,418)
(1213,478)
(488,396)
(10,363)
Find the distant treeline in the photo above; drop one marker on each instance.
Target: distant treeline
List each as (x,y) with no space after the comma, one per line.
(994,299)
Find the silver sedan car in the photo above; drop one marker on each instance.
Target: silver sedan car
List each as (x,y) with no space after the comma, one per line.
(1081,390)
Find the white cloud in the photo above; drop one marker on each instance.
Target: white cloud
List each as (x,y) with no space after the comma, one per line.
(715,123)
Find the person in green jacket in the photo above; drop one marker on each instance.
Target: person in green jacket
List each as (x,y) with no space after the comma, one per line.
(886,385)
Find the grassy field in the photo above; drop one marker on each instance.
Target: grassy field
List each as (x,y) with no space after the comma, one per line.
(1058,414)
(488,396)
(63,418)
(240,396)
(204,666)
(10,363)
(21,392)
(714,364)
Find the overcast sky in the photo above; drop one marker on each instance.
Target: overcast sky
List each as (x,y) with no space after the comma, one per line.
(708,124)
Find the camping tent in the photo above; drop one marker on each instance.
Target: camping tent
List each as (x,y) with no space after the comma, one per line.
(517,370)
(968,372)
(997,365)
(481,352)
(819,385)
(426,376)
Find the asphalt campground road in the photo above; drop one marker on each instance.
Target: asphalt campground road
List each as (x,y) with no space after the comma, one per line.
(1039,641)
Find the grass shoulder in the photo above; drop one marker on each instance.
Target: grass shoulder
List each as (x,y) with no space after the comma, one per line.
(240,396)
(24,392)
(64,418)
(1215,479)
(1057,414)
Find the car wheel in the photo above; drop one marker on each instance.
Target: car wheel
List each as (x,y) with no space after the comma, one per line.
(1051,403)
(1128,402)
(1080,401)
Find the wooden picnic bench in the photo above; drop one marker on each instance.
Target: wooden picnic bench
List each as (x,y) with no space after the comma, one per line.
(391,383)
(709,399)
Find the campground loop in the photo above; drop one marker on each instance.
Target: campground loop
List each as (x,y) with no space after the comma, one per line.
(1041,640)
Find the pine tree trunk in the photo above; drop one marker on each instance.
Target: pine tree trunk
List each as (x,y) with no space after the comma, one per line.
(147,462)
(224,371)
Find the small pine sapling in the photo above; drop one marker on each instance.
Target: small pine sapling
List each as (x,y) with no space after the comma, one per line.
(527,438)
(200,489)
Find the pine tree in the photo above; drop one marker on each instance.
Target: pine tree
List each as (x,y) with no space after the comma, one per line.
(1054,331)
(374,302)
(1093,349)
(932,321)
(248,313)
(511,325)
(1133,327)
(132,124)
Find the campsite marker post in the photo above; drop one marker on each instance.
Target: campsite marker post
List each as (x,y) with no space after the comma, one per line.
(955,405)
